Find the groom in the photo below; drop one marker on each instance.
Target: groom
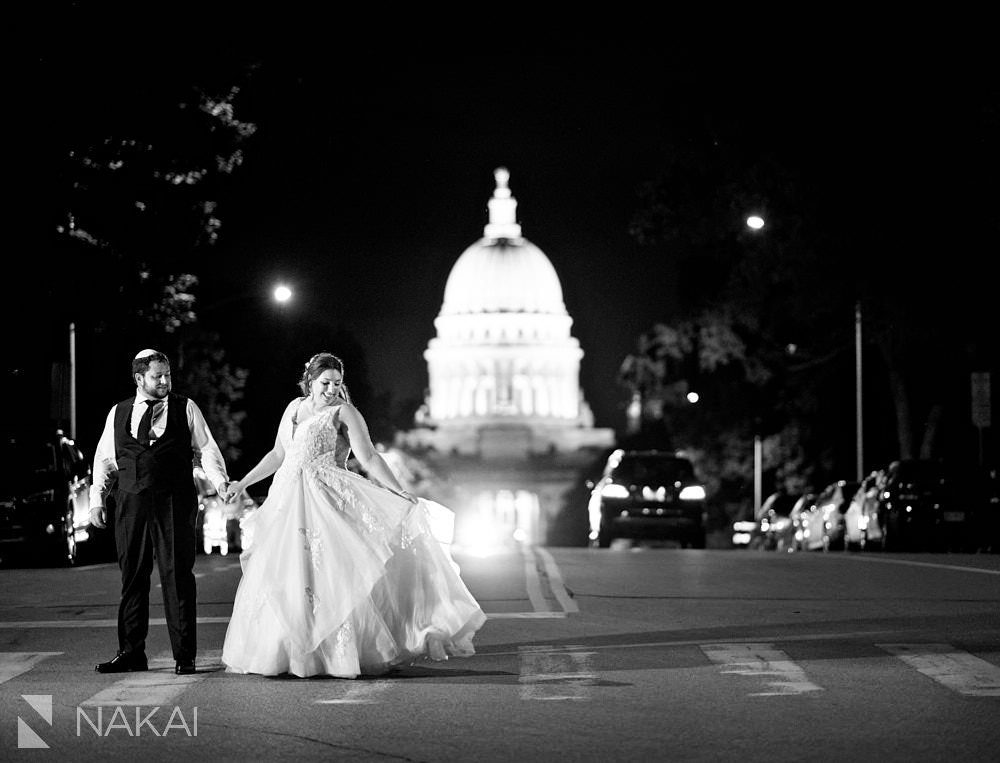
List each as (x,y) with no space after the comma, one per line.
(149,443)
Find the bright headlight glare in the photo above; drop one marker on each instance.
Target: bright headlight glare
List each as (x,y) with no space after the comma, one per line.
(611,490)
(693,493)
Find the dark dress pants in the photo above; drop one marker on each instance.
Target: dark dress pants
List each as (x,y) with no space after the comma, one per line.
(157,525)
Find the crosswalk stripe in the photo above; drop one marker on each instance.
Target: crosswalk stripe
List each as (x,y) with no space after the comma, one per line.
(363,693)
(959,671)
(761,661)
(109,623)
(556,672)
(96,623)
(13,664)
(157,686)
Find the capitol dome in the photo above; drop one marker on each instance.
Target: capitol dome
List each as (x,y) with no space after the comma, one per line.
(504,387)
(503,272)
(503,276)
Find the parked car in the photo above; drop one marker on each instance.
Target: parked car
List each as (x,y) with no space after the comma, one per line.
(922,507)
(746,533)
(791,538)
(648,494)
(775,521)
(219,524)
(823,522)
(44,498)
(861,524)
(761,532)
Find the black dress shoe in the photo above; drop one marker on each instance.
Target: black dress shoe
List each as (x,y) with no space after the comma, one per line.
(184,668)
(123,662)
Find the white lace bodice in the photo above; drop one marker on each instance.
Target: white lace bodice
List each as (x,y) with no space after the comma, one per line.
(321,436)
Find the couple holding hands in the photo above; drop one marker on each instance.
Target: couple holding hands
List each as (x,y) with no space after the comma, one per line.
(343,576)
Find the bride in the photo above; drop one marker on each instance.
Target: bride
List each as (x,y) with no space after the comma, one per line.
(342,575)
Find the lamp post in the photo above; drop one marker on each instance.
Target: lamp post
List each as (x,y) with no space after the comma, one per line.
(756,223)
(72,381)
(858,407)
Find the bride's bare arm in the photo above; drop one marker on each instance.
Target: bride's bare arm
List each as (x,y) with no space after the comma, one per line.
(364,449)
(269,464)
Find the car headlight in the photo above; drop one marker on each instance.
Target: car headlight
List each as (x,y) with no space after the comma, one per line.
(611,490)
(693,493)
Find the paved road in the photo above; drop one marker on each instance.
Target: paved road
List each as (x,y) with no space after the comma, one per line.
(652,653)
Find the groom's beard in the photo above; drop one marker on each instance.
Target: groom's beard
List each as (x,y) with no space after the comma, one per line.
(156,391)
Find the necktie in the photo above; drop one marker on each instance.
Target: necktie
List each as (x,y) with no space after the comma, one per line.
(146,423)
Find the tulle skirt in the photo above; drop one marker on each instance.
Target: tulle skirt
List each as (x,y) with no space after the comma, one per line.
(342,577)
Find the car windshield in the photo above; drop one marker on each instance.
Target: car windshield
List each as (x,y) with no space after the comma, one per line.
(25,465)
(653,470)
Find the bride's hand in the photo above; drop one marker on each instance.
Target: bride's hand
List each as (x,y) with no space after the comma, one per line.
(233,489)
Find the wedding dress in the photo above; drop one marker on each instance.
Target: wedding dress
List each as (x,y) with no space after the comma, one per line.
(341,576)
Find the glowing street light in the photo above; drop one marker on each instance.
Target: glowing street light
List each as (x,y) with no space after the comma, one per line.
(756,222)
(282,293)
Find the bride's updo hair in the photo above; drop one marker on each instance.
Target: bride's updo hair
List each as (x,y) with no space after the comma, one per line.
(317,364)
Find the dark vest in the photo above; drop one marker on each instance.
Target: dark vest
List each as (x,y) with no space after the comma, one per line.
(167,465)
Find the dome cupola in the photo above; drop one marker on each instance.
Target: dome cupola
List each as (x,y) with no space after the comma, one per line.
(503,272)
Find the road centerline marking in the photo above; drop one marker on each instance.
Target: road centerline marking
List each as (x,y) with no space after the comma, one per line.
(556,581)
(533,582)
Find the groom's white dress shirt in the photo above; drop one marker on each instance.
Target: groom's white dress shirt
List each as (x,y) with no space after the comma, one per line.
(202,442)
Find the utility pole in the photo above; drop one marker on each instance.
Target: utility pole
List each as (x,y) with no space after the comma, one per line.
(72,381)
(858,395)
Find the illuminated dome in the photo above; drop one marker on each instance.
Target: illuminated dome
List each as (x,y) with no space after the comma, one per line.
(503,272)
(504,369)
(504,386)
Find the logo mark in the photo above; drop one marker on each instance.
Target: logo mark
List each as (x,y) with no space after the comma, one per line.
(26,737)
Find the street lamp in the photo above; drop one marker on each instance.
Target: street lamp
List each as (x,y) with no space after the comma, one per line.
(756,223)
(282,293)
(72,380)
(858,401)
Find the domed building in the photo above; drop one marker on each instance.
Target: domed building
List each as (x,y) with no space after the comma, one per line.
(504,414)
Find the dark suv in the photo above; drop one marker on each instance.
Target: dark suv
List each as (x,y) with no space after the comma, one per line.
(44,497)
(920,506)
(648,494)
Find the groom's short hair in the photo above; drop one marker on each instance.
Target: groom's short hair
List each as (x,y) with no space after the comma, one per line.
(141,365)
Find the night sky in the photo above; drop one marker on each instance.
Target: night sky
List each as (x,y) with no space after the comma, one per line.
(374,158)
